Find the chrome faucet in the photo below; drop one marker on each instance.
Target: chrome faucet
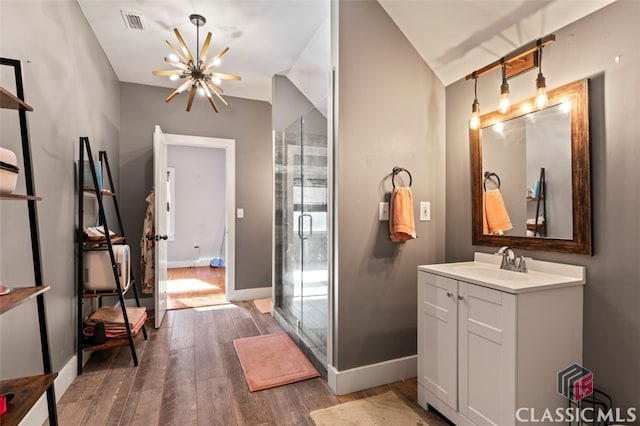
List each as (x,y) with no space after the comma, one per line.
(510,261)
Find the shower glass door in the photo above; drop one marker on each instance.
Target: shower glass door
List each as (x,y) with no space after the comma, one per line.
(301,269)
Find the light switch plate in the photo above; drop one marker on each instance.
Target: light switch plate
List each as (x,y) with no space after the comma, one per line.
(383,211)
(425,211)
(240,213)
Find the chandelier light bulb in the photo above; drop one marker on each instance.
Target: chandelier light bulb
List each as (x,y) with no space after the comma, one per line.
(217,61)
(216,80)
(201,91)
(174,77)
(173,57)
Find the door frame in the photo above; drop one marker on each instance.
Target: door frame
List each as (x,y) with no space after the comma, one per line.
(228,145)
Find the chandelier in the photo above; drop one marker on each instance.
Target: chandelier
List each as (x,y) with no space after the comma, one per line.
(198,72)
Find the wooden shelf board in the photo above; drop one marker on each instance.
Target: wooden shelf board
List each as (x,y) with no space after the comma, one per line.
(19,296)
(102,191)
(12,196)
(9,101)
(27,390)
(89,244)
(110,344)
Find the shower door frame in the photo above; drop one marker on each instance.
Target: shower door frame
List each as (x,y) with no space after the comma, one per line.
(279,312)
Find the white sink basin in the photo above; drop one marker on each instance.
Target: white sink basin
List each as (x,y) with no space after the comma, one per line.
(485,270)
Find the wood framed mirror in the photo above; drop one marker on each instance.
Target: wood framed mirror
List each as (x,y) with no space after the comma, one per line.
(531,176)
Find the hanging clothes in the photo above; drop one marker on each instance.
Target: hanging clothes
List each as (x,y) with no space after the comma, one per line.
(147,246)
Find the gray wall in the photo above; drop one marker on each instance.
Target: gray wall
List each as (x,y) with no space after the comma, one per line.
(585,48)
(383,123)
(246,121)
(66,65)
(199,203)
(289,103)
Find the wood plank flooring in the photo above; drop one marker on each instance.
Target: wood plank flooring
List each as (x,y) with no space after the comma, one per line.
(195,287)
(189,374)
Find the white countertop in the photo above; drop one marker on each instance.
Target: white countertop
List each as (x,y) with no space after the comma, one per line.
(485,270)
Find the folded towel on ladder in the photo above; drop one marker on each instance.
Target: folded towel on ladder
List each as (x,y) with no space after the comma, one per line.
(495,219)
(401,221)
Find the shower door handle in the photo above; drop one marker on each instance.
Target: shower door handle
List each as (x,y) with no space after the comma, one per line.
(302,235)
(300,227)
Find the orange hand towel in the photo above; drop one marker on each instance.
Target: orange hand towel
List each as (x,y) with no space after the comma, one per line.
(401,222)
(495,217)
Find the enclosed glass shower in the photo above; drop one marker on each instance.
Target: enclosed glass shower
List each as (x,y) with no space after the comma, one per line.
(301,232)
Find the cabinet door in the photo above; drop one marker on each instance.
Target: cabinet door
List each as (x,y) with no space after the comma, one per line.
(487,324)
(437,336)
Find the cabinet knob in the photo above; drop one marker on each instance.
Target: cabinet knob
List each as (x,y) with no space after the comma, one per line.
(460,297)
(449,294)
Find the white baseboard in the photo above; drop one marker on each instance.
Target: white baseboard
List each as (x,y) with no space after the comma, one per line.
(249,294)
(40,412)
(368,376)
(203,261)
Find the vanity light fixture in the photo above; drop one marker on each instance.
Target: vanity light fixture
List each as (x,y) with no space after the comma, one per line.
(519,61)
(504,104)
(541,86)
(198,72)
(474,121)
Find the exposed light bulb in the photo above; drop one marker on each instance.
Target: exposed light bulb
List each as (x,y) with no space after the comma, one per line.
(173,57)
(174,77)
(541,99)
(474,121)
(216,61)
(201,91)
(504,105)
(216,80)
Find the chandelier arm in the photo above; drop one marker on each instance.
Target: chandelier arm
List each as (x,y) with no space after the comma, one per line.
(225,76)
(205,86)
(167,72)
(179,90)
(185,49)
(215,92)
(177,52)
(212,61)
(192,94)
(205,49)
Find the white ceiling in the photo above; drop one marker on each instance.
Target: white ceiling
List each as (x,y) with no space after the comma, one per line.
(268,37)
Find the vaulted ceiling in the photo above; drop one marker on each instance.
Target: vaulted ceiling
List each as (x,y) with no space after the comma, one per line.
(268,37)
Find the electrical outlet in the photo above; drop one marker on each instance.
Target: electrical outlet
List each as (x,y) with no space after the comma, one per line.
(240,213)
(383,211)
(425,211)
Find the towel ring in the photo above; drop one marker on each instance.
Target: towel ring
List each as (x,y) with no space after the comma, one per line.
(487,176)
(397,170)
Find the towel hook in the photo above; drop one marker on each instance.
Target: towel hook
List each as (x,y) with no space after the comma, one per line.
(487,176)
(397,170)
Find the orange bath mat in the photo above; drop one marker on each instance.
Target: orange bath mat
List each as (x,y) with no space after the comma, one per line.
(263,305)
(272,360)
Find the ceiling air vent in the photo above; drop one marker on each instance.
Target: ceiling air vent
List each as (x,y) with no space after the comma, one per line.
(133,21)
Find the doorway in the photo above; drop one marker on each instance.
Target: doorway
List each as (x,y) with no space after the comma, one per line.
(196,226)
(163,144)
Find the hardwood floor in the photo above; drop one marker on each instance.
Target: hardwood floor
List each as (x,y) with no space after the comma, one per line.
(189,374)
(195,287)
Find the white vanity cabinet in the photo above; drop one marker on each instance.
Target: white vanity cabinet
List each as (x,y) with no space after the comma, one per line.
(485,350)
